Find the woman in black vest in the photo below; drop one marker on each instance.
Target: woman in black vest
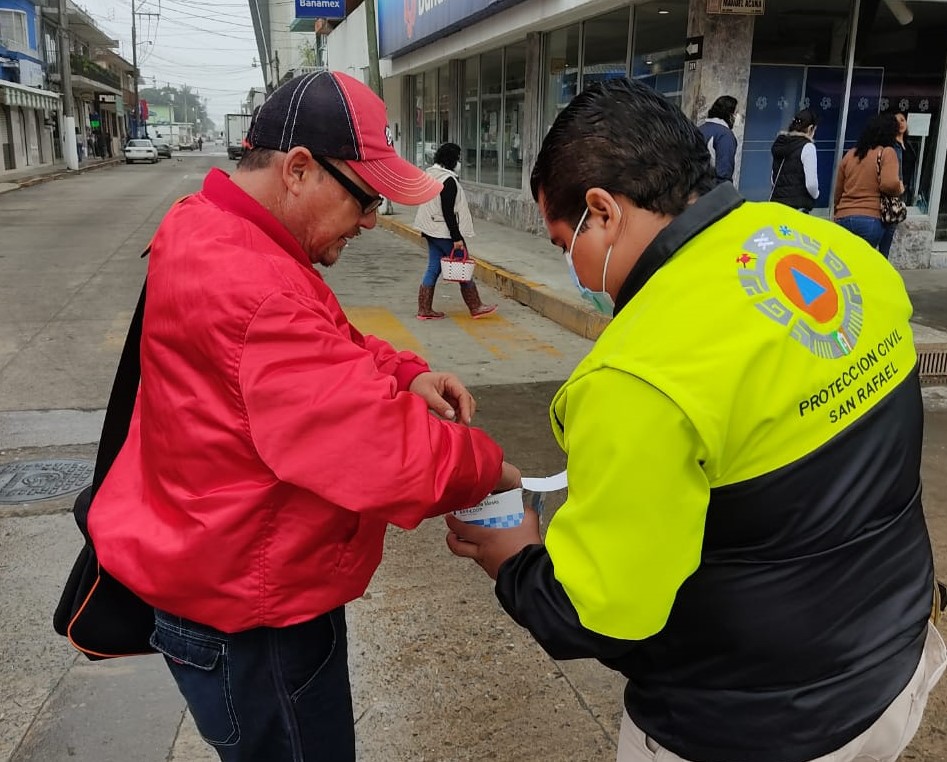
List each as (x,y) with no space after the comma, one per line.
(795,167)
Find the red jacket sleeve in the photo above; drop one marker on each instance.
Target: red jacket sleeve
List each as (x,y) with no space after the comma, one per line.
(326,418)
(404,366)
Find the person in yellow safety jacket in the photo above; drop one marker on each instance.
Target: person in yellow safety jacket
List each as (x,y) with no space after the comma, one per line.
(743,537)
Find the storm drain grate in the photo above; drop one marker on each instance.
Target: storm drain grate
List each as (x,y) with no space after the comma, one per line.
(932,363)
(32,480)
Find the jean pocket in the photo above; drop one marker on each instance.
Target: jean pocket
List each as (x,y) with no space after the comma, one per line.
(307,649)
(200,667)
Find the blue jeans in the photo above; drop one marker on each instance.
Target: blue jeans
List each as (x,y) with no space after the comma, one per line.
(887,238)
(275,694)
(869,228)
(436,248)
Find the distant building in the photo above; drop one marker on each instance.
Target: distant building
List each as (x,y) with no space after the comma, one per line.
(96,78)
(29,135)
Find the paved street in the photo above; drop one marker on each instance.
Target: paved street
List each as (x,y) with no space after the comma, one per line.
(439,672)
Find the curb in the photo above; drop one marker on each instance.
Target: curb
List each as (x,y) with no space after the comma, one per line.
(40,179)
(570,315)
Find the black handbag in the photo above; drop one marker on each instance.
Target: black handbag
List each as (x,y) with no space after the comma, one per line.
(893,209)
(99,615)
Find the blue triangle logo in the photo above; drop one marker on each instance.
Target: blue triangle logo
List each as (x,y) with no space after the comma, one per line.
(809,289)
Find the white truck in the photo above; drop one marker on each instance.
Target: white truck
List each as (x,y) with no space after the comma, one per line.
(179,134)
(236,127)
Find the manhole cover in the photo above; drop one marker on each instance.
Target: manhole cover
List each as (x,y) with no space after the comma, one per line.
(32,480)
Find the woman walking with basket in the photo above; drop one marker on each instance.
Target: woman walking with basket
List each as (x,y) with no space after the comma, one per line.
(868,188)
(445,223)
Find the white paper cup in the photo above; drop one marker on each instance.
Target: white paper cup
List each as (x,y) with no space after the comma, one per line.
(500,511)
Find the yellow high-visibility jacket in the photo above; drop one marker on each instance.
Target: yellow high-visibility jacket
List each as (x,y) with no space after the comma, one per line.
(743,536)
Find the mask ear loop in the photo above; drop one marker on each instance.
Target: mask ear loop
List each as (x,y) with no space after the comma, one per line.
(608,255)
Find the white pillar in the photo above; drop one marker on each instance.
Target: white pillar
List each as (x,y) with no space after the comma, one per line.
(69,150)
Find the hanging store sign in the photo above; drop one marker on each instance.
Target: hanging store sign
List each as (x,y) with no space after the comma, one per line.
(404,25)
(320,9)
(739,7)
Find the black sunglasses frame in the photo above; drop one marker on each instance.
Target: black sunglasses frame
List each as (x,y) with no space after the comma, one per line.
(368,203)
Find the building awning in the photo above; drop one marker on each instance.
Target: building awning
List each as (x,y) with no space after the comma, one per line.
(12,94)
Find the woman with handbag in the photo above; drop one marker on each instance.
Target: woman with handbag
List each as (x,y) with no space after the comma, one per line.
(445,223)
(868,187)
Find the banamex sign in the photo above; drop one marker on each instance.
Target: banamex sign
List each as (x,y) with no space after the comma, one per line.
(320,9)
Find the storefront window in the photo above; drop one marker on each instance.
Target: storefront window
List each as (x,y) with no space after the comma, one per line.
(907,52)
(899,66)
(417,124)
(491,105)
(606,47)
(443,104)
(430,117)
(658,47)
(513,115)
(471,118)
(561,65)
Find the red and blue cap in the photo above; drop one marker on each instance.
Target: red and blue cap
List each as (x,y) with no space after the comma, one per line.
(338,117)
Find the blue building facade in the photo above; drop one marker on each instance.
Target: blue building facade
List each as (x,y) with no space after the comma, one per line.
(28,111)
(20,58)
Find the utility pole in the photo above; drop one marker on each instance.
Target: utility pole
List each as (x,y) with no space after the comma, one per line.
(137,112)
(374,74)
(70,150)
(136,118)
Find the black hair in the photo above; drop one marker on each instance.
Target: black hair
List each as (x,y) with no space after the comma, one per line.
(257,158)
(626,138)
(803,120)
(880,131)
(447,155)
(723,108)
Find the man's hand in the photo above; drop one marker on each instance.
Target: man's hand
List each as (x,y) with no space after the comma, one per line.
(491,547)
(445,395)
(510,478)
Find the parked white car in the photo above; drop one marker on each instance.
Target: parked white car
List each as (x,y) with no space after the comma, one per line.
(141,150)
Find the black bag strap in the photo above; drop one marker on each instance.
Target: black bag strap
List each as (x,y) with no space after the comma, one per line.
(121,404)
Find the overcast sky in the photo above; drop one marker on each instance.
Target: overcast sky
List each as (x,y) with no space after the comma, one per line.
(206,44)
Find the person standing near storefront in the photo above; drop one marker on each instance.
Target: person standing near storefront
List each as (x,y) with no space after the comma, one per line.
(752,556)
(866,171)
(907,160)
(717,131)
(445,223)
(795,165)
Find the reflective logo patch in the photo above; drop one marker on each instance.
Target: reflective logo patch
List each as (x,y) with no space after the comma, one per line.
(806,287)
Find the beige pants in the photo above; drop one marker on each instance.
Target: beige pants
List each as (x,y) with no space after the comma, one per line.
(882,742)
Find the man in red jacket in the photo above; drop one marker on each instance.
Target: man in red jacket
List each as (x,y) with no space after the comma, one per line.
(271,442)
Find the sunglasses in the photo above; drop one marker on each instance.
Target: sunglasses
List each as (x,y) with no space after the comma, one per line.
(368,203)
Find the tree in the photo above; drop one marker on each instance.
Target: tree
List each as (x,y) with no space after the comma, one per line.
(177,97)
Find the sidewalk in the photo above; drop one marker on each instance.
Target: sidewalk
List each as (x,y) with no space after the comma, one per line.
(531,270)
(24,178)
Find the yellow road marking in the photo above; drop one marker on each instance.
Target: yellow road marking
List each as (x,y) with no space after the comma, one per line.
(385,325)
(500,337)
(115,335)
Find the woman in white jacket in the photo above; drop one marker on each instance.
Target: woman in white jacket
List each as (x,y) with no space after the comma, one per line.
(445,223)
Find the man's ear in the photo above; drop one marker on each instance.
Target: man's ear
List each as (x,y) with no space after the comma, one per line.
(297,166)
(603,207)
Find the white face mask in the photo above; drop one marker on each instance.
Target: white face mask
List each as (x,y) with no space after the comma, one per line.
(601,300)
